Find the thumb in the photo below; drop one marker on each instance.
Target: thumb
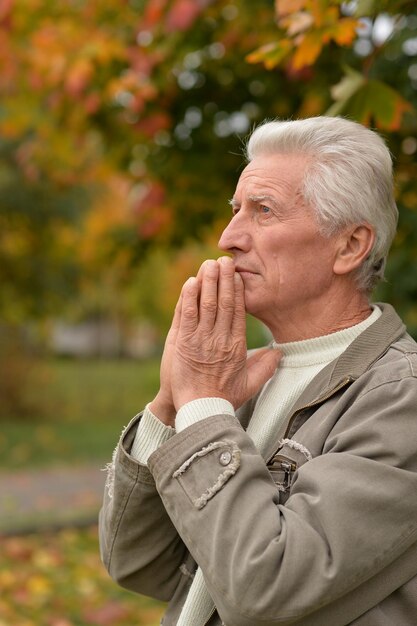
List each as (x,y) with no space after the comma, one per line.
(261,367)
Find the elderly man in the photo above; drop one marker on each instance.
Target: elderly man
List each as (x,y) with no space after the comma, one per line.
(281,488)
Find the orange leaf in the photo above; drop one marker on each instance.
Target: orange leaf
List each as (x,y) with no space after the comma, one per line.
(345,31)
(296,23)
(320,10)
(271,54)
(285,7)
(308,50)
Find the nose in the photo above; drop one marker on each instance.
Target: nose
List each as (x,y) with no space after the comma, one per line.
(236,236)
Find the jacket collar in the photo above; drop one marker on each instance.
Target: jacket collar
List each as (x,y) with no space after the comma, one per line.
(356,359)
(371,344)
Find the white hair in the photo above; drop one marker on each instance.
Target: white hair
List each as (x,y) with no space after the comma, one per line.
(347,181)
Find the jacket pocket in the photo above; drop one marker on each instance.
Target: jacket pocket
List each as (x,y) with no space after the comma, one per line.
(206,472)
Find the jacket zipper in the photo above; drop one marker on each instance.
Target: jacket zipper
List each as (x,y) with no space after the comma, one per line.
(288,469)
(328,395)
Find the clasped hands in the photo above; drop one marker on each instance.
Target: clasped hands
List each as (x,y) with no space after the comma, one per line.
(205,353)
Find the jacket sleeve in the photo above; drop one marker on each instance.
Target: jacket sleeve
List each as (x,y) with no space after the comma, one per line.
(352,512)
(139,545)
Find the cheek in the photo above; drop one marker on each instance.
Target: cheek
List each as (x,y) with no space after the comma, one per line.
(317,265)
(313,248)
(299,260)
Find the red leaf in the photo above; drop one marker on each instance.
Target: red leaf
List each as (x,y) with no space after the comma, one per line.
(182,15)
(6,7)
(79,76)
(152,124)
(153,198)
(153,13)
(109,614)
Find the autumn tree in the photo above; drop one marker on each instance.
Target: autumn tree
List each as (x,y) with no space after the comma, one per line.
(127,116)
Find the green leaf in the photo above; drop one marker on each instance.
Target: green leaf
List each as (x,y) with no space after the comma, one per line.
(366,8)
(373,102)
(370,8)
(349,85)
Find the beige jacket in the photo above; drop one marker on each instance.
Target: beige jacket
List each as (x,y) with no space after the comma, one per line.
(322,532)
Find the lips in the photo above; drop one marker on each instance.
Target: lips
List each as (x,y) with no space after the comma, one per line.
(243,270)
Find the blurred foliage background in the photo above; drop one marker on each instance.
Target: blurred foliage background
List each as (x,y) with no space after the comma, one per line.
(121,131)
(121,128)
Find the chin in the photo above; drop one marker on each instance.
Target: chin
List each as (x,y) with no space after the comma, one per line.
(251,308)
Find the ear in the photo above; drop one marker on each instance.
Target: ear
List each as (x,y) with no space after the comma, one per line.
(354,246)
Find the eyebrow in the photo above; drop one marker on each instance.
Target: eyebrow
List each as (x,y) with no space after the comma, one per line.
(254,198)
(261,197)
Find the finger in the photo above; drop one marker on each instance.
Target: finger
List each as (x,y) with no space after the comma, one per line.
(175,324)
(261,367)
(208,297)
(239,318)
(226,294)
(259,354)
(188,321)
(201,270)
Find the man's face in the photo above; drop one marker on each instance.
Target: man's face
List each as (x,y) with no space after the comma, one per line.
(285,263)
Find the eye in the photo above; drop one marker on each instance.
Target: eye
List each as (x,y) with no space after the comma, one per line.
(265,210)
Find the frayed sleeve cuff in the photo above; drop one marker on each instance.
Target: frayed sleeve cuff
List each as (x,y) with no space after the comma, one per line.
(201,408)
(151,434)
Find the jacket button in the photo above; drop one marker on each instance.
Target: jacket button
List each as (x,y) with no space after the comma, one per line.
(225,457)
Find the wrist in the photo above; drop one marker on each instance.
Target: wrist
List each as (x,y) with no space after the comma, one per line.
(163,409)
(199,409)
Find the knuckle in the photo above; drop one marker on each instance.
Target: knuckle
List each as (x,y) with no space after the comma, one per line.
(240,344)
(209,306)
(239,350)
(221,343)
(226,303)
(188,311)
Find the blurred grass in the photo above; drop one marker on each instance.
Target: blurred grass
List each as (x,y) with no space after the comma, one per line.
(80,409)
(58,580)
(60,411)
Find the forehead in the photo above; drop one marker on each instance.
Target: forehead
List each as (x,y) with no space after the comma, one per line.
(278,173)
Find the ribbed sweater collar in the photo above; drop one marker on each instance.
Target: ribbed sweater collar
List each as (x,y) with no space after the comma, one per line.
(322,349)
